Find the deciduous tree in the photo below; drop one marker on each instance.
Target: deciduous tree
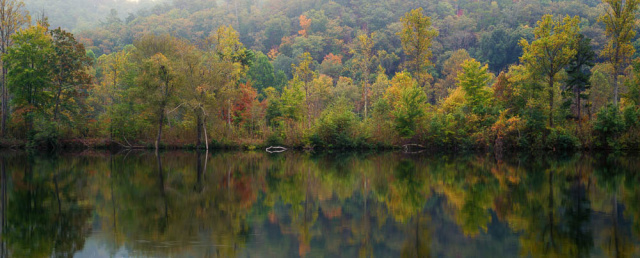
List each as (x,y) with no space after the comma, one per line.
(12,17)
(29,76)
(552,49)
(620,23)
(416,36)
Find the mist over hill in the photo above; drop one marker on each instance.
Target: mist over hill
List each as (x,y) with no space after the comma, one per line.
(84,14)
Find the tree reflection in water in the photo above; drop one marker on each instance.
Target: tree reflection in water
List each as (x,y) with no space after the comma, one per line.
(299,204)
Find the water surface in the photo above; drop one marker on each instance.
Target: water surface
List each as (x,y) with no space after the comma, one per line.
(253,204)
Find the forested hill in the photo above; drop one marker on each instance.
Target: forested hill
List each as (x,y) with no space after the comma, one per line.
(85,14)
(336,74)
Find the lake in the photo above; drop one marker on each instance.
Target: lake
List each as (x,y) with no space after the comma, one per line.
(380,204)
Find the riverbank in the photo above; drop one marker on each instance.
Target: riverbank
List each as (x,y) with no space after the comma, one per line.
(248,145)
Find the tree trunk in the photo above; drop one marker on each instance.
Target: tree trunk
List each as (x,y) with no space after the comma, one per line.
(5,107)
(229,114)
(579,109)
(56,110)
(204,128)
(365,99)
(306,89)
(615,87)
(551,101)
(161,113)
(198,129)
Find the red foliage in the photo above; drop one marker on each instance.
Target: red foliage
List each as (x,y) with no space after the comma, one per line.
(243,105)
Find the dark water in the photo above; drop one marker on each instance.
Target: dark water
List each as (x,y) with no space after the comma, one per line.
(252,204)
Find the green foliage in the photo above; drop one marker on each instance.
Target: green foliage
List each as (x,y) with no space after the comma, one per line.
(274,112)
(579,73)
(30,72)
(552,49)
(474,80)
(261,73)
(45,136)
(500,47)
(608,126)
(283,74)
(336,126)
(408,110)
(293,99)
(562,139)
(416,36)
(620,23)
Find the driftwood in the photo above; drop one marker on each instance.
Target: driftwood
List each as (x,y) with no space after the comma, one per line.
(276,149)
(412,148)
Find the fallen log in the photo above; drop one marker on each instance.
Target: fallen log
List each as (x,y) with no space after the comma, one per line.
(276,149)
(413,148)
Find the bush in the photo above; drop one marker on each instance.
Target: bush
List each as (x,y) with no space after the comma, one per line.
(560,139)
(45,136)
(608,126)
(274,140)
(335,127)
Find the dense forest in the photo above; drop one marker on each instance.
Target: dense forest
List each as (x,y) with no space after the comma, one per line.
(453,74)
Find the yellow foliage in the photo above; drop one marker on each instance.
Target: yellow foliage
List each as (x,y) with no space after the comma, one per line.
(455,100)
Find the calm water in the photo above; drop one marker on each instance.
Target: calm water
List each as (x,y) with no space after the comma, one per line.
(252,204)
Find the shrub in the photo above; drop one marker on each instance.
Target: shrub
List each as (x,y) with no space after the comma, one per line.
(608,126)
(335,126)
(45,136)
(559,138)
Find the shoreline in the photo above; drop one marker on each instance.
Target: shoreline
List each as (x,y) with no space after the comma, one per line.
(107,145)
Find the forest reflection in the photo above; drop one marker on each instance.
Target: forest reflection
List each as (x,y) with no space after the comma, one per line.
(231,204)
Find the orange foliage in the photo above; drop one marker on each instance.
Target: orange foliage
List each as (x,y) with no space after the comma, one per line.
(243,105)
(336,59)
(305,23)
(273,53)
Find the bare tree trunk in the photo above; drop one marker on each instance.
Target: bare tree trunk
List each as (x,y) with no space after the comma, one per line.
(365,97)
(579,110)
(204,127)
(198,129)
(5,98)
(229,114)
(551,101)
(56,110)
(160,121)
(615,87)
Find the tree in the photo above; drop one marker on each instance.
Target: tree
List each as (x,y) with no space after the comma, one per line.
(305,75)
(30,75)
(261,73)
(579,72)
(157,79)
(110,91)
(474,80)
(407,100)
(416,36)
(70,67)
(620,23)
(450,69)
(552,49)
(199,84)
(500,47)
(12,17)
(363,51)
